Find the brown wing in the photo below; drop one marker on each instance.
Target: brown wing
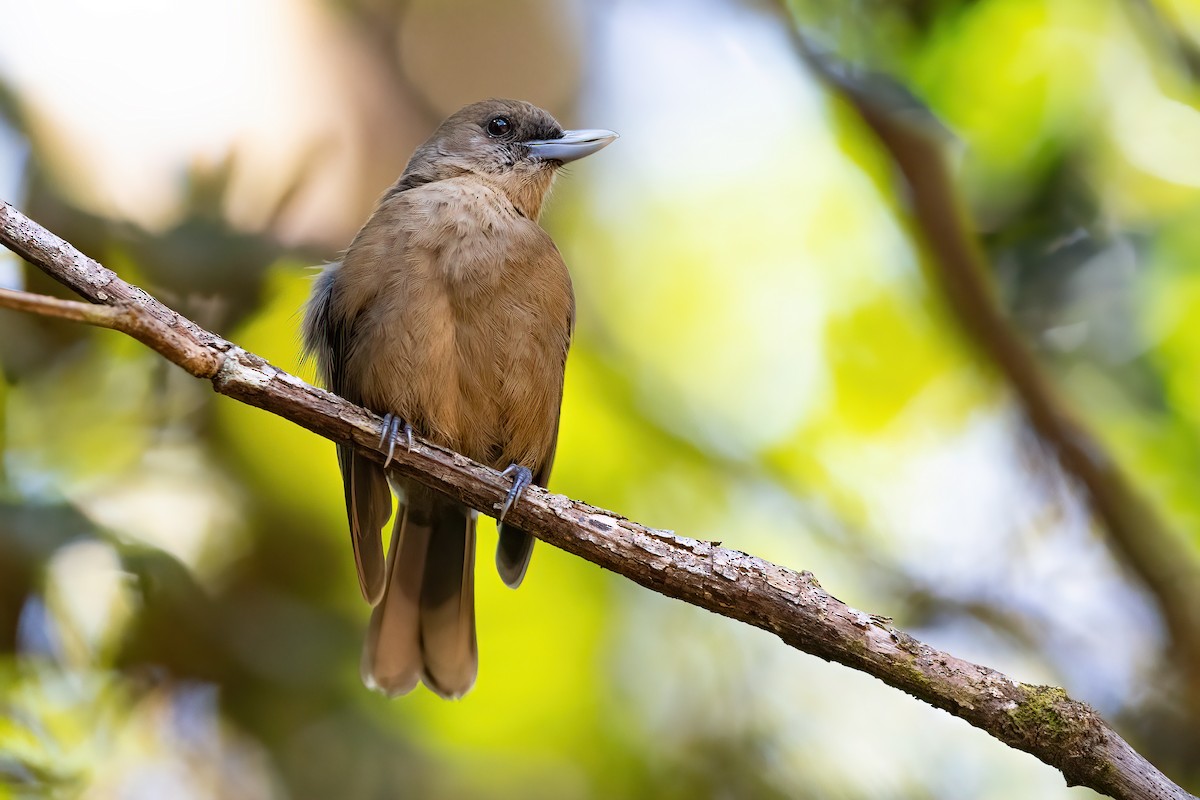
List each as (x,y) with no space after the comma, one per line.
(515,547)
(328,336)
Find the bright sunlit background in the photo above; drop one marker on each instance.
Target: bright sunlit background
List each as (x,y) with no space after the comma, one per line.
(762,357)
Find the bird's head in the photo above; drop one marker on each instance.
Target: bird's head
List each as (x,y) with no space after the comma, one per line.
(511,144)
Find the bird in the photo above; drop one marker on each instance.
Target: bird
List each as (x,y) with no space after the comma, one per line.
(450,314)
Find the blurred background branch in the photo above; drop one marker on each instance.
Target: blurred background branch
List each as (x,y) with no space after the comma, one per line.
(1164,30)
(1040,720)
(920,148)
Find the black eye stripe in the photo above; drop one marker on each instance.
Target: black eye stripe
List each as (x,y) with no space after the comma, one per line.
(498,126)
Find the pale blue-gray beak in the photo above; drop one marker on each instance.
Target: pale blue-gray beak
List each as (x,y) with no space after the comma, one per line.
(573,145)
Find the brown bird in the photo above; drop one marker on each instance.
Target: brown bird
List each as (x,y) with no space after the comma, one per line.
(450,313)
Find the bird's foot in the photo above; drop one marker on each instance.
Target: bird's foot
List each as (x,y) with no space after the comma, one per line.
(393,427)
(522,477)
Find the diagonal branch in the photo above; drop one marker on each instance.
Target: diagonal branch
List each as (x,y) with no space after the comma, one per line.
(1041,720)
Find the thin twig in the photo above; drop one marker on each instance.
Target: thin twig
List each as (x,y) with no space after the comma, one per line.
(73,310)
(1041,720)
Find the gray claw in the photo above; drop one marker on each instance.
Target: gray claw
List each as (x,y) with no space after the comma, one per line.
(391,451)
(392,426)
(522,478)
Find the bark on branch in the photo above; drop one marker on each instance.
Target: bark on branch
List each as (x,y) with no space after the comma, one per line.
(1041,720)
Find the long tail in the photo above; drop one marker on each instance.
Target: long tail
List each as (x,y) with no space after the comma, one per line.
(424,627)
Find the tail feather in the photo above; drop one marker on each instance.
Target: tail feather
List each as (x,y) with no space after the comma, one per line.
(448,604)
(513,551)
(424,627)
(391,661)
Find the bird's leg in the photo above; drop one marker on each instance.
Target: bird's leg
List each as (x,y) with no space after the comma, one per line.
(393,426)
(522,477)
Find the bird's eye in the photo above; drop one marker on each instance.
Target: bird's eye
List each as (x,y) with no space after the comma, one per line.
(499,126)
